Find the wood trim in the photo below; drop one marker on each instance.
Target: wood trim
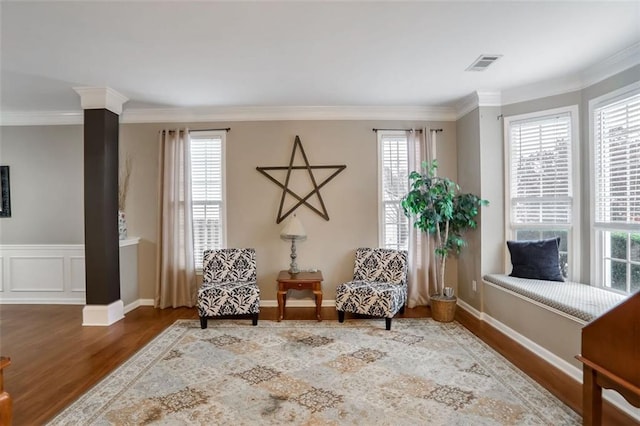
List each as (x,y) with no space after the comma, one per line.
(6,404)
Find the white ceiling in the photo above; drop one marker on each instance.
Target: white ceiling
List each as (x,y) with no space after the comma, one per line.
(307,53)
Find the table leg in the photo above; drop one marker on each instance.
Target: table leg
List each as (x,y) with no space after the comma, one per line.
(282,300)
(318,304)
(6,403)
(591,398)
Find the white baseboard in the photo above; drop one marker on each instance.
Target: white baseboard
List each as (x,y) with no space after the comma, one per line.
(131,306)
(570,370)
(136,303)
(103,315)
(31,301)
(473,311)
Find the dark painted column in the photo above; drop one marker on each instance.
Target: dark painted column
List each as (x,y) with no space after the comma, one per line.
(102,245)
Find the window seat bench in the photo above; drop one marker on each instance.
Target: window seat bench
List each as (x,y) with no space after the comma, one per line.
(577,300)
(547,318)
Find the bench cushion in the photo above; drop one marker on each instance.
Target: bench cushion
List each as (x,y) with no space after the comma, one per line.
(578,300)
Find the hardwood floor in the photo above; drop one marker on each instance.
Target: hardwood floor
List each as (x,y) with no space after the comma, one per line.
(54,359)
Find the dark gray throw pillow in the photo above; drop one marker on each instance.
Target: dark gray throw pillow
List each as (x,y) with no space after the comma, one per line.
(538,259)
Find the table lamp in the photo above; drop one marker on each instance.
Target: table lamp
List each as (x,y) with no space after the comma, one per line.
(293,231)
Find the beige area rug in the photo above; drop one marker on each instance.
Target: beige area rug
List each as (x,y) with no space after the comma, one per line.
(310,373)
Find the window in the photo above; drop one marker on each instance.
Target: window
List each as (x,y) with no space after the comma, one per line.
(207,192)
(393,159)
(616,180)
(541,177)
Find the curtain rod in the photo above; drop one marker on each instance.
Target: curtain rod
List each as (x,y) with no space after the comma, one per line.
(436,130)
(401,130)
(226,129)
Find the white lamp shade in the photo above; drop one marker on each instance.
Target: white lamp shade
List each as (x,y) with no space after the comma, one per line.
(293,230)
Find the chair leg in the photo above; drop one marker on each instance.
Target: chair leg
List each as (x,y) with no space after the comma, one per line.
(388,323)
(402,309)
(203,322)
(254,318)
(340,316)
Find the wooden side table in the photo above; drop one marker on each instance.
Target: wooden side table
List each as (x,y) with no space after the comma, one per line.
(6,404)
(300,281)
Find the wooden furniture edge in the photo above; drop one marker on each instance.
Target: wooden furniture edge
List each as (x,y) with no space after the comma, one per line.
(6,403)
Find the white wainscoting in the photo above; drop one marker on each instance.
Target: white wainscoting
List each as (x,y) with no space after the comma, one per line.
(54,273)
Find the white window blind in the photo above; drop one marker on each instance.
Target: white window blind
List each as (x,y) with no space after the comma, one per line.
(540,175)
(617,162)
(394,184)
(207,192)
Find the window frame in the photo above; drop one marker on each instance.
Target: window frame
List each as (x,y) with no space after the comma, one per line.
(573,228)
(212,134)
(381,134)
(597,256)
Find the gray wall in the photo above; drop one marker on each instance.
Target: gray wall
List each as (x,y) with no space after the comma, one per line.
(481,172)
(469,179)
(351,197)
(46,176)
(492,170)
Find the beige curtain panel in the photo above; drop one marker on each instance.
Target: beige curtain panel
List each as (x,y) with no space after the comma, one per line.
(421,277)
(176,277)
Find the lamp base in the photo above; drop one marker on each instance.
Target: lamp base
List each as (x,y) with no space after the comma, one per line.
(293,268)
(294,271)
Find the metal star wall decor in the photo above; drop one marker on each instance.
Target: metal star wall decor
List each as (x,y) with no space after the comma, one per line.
(285,186)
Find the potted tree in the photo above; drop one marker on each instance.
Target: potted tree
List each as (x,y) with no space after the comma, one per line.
(438,208)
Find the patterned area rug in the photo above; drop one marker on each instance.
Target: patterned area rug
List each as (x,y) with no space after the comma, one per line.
(310,373)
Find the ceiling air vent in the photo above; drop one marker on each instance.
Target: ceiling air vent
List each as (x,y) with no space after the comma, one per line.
(483,62)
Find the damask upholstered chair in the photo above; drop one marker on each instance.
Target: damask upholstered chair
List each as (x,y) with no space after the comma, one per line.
(228,284)
(379,285)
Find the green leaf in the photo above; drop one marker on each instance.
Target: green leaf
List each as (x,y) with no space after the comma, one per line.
(435,200)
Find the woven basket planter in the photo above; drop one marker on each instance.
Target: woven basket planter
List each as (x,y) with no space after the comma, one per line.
(443,309)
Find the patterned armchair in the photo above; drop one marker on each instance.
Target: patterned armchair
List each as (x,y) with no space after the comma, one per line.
(379,285)
(228,284)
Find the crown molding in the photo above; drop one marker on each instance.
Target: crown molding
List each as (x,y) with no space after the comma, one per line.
(489,98)
(465,105)
(217,114)
(287,113)
(41,118)
(480,98)
(557,86)
(101,98)
(623,60)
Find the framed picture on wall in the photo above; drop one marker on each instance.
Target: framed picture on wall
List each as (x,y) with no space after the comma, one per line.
(5,204)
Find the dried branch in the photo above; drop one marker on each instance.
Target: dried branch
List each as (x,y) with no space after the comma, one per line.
(123,182)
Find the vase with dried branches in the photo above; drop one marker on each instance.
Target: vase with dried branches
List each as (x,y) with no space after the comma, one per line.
(123,188)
